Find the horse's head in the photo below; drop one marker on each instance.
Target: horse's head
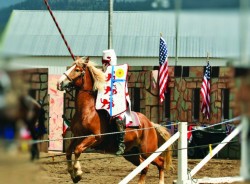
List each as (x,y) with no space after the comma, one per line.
(82,75)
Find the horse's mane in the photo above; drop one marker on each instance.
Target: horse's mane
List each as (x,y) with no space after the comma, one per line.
(97,74)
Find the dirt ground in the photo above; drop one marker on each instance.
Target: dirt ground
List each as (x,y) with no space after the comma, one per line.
(97,169)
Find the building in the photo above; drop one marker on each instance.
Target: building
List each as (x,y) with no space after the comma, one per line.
(135,37)
(31,40)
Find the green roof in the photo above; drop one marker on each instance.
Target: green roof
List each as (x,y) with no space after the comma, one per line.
(135,34)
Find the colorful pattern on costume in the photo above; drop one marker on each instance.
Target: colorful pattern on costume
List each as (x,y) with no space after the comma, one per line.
(113,97)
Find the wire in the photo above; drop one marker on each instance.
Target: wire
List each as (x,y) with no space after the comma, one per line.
(112,133)
(136,154)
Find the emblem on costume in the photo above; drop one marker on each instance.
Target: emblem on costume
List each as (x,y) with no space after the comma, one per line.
(119,73)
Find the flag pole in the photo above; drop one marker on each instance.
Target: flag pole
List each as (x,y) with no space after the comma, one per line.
(244,7)
(177,12)
(205,91)
(207,57)
(163,76)
(158,84)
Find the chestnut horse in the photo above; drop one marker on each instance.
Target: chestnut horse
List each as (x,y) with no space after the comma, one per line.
(89,122)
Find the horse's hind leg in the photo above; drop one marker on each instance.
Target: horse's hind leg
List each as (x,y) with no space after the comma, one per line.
(137,160)
(143,173)
(159,162)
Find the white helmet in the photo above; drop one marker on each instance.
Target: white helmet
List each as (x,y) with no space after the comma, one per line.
(108,58)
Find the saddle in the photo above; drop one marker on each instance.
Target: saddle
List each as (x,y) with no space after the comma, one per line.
(135,123)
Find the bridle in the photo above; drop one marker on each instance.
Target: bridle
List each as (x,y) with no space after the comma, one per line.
(70,87)
(71,80)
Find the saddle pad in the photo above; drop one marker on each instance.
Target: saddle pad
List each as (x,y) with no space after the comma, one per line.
(135,120)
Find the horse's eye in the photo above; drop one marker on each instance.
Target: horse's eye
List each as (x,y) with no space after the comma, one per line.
(77,70)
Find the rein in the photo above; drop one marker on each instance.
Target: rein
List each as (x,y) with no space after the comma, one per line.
(91,92)
(67,77)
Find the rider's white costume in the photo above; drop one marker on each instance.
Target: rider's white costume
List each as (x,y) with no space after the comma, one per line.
(115,97)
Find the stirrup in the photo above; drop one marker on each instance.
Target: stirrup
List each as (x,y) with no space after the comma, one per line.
(120,150)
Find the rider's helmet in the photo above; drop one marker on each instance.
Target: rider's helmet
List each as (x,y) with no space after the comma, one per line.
(109,58)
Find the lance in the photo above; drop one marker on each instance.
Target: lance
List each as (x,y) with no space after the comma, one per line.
(59,29)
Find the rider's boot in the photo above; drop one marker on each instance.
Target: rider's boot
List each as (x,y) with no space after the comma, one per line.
(120,136)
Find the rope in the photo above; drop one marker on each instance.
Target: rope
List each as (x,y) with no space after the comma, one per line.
(221,123)
(93,135)
(59,29)
(112,133)
(132,154)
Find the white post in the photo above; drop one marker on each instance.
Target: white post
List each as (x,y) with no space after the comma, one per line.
(182,154)
(245,149)
(235,132)
(150,158)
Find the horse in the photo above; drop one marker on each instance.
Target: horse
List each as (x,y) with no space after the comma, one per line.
(140,142)
(31,113)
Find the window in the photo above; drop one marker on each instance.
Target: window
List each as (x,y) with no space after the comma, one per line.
(32,93)
(196,104)
(135,99)
(167,104)
(185,71)
(177,71)
(215,71)
(225,104)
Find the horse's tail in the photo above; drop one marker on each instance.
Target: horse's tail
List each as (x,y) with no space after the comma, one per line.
(163,136)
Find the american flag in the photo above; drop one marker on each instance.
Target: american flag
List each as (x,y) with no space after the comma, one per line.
(205,92)
(163,73)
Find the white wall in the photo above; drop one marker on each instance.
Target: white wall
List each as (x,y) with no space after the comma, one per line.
(57,65)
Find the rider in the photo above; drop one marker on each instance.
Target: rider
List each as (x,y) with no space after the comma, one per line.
(109,58)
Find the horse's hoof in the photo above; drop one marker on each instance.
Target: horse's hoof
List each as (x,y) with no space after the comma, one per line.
(77,179)
(79,173)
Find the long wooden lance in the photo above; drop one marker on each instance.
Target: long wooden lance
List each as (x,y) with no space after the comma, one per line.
(59,29)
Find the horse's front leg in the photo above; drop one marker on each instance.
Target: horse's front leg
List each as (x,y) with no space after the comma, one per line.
(82,146)
(69,158)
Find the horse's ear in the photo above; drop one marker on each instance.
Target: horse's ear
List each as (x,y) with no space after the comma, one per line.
(87,60)
(77,57)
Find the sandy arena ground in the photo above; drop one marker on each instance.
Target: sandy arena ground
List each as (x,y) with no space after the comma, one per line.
(15,168)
